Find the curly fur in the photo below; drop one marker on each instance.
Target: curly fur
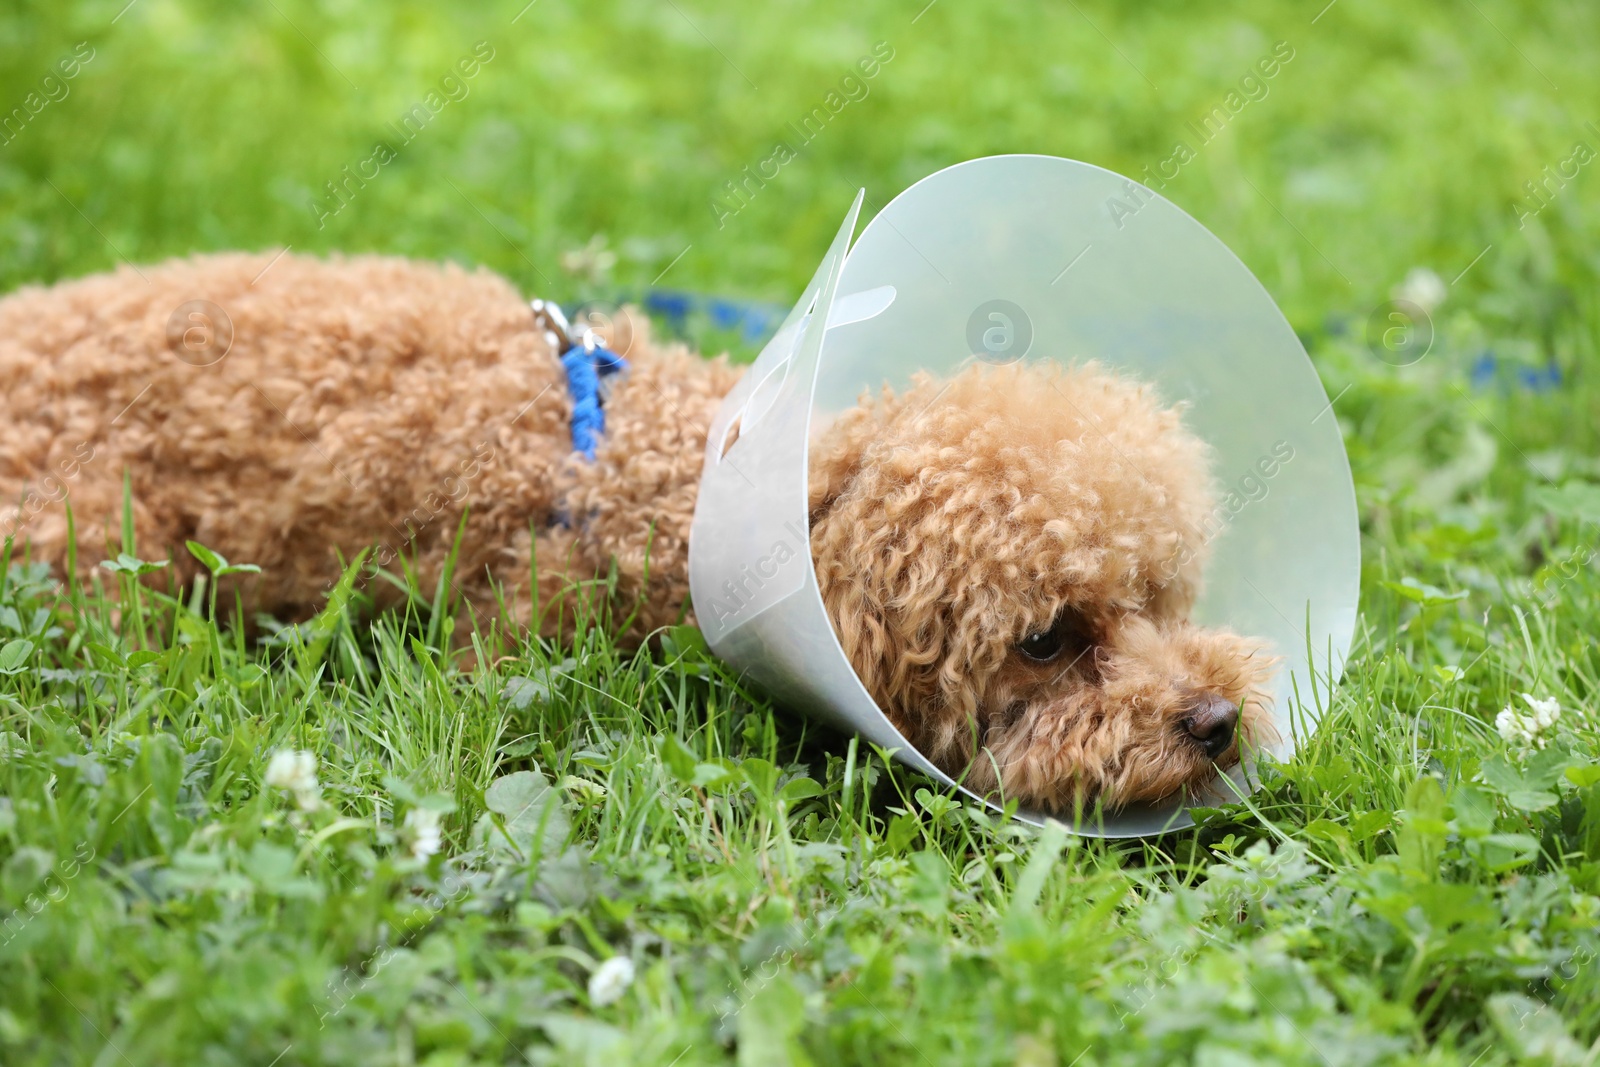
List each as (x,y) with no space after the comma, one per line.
(364,402)
(376,402)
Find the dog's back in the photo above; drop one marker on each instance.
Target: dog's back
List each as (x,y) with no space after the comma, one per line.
(278,408)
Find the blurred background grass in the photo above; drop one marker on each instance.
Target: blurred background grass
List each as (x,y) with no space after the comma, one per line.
(1398,135)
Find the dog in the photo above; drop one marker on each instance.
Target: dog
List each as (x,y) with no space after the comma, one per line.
(1008,556)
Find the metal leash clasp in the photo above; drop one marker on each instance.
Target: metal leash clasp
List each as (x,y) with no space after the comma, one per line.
(548,314)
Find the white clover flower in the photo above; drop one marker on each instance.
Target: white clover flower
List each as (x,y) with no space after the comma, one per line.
(423,826)
(610,980)
(1509,723)
(1423,288)
(1545,712)
(294,770)
(1530,730)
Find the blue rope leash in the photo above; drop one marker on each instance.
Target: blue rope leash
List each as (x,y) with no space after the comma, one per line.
(586,363)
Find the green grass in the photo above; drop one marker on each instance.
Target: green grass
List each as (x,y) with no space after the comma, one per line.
(1410,888)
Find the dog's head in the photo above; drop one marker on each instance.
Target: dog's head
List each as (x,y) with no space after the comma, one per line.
(1008,558)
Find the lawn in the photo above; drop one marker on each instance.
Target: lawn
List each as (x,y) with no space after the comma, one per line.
(340,844)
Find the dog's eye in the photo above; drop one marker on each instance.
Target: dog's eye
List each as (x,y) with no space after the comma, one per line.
(1043,646)
(1069,632)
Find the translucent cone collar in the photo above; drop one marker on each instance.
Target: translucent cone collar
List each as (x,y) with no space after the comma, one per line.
(1034,257)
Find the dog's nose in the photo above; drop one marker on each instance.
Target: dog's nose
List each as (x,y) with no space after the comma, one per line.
(1211,722)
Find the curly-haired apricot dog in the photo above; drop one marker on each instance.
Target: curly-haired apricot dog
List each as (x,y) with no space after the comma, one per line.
(1008,557)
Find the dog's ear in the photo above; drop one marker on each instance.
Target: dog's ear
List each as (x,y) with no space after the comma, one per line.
(838,452)
(910,558)
(914,598)
(830,473)
(845,567)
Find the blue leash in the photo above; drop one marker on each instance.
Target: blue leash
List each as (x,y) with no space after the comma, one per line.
(586,362)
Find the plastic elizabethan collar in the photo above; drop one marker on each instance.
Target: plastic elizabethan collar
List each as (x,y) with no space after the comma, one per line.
(1034,257)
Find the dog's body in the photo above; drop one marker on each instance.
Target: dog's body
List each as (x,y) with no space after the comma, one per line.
(363,403)
(1008,557)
